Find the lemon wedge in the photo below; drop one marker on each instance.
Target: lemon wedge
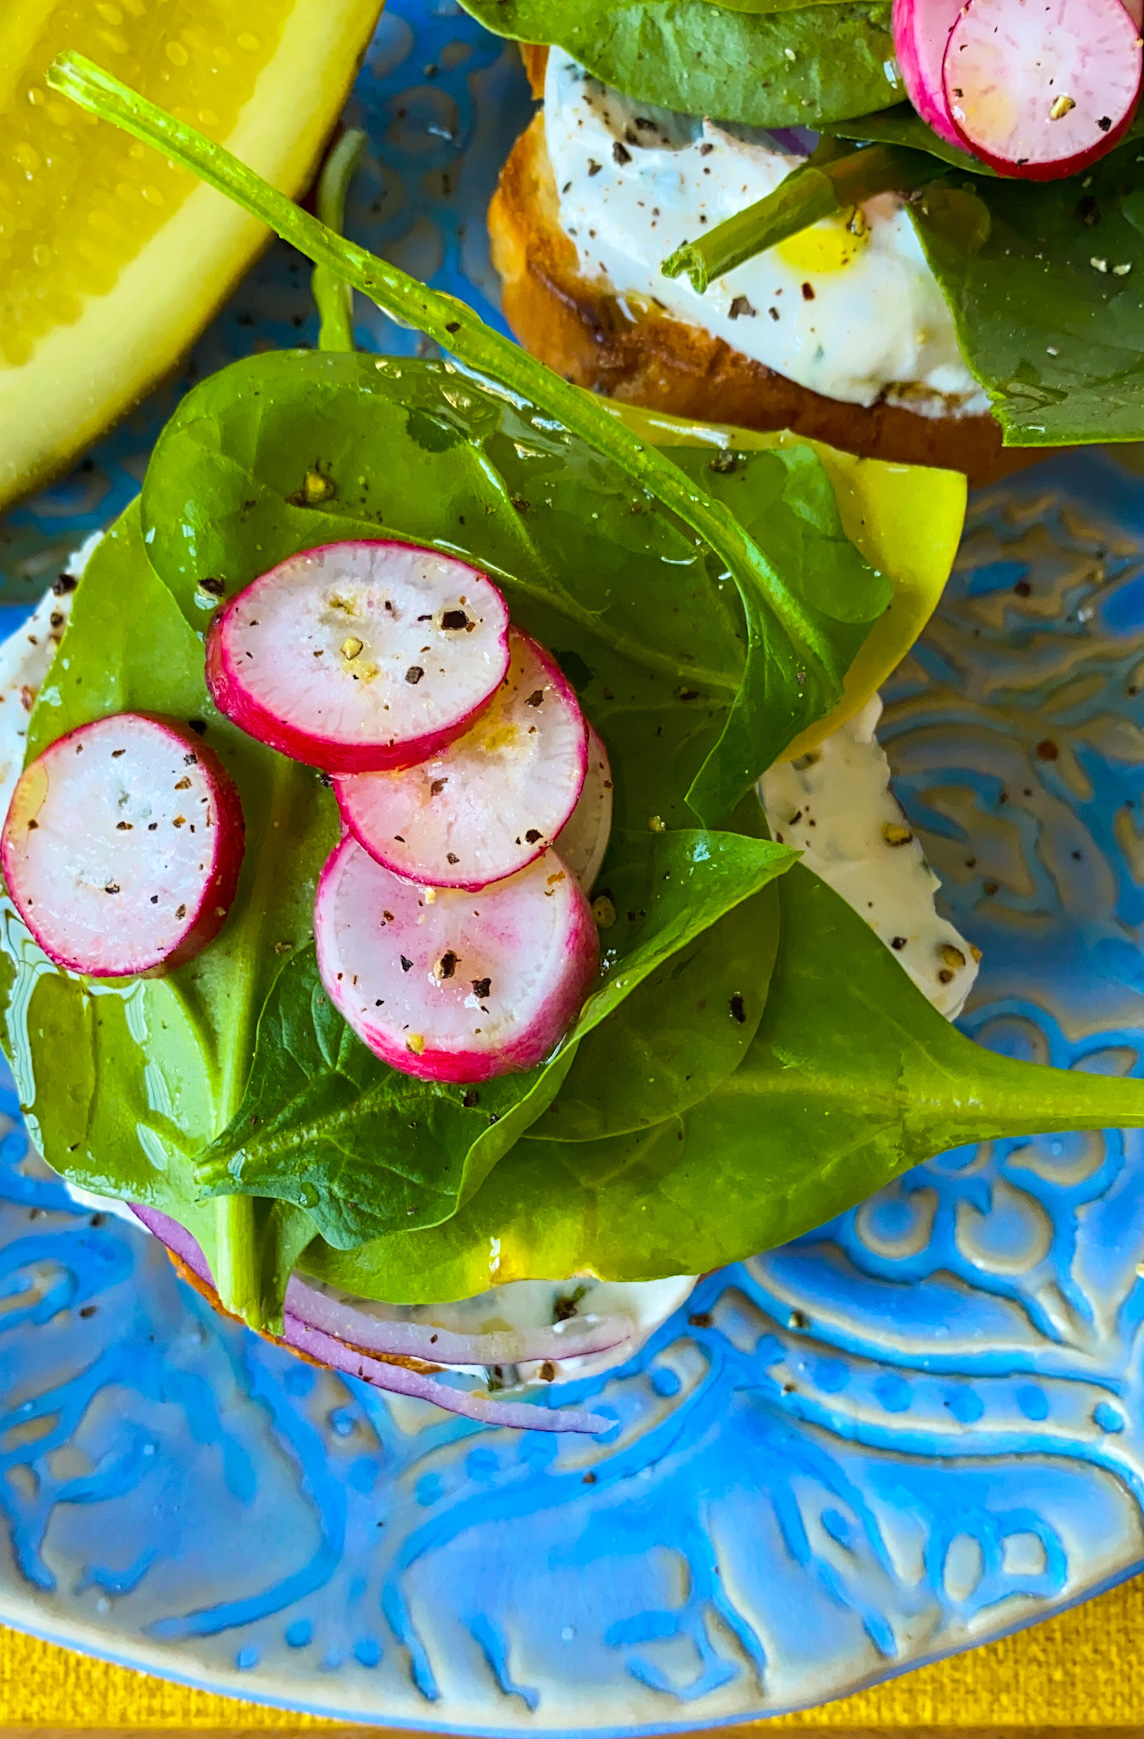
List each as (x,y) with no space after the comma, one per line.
(906,520)
(111,259)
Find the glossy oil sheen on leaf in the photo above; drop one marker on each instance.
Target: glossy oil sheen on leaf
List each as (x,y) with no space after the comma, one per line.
(791,508)
(414,449)
(852,1078)
(769,65)
(905,519)
(1045,282)
(902,125)
(154,1067)
(689,1023)
(367,1150)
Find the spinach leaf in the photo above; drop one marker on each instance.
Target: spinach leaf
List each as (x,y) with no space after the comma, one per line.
(678,1035)
(155,1068)
(852,1078)
(1045,281)
(685,1027)
(902,125)
(333,298)
(774,65)
(701,701)
(906,520)
(655,641)
(459,329)
(792,508)
(367,1150)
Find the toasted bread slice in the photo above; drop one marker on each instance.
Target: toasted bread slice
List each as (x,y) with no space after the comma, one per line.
(602,341)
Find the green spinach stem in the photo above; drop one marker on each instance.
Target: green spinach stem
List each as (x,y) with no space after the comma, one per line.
(823,187)
(458,329)
(332,295)
(236,1265)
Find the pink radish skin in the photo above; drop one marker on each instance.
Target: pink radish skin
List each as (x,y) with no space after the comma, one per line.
(1041,88)
(921,31)
(584,842)
(450,985)
(492,801)
(122,847)
(360,655)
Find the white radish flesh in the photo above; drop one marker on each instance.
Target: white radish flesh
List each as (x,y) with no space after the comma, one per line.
(921,31)
(452,985)
(492,801)
(122,847)
(360,655)
(584,841)
(1040,88)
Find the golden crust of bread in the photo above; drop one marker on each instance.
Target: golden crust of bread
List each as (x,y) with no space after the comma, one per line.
(589,335)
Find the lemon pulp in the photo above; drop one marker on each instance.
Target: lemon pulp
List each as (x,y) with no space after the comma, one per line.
(77,199)
(111,259)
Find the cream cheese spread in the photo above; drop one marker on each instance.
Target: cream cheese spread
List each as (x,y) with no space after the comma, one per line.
(835,805)
(849,308)
(24,660)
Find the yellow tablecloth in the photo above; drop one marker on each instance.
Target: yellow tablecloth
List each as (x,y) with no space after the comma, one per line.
(1083,1669)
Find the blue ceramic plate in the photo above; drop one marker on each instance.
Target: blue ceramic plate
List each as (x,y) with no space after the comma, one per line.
(910,1431)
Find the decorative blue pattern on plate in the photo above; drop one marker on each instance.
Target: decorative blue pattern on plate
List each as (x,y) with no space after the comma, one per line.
(913,1430)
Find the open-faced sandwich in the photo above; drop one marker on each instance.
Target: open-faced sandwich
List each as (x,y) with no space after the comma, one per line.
(914,235)
(392,924)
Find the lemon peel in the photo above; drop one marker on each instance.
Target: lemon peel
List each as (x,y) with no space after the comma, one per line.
(112,259)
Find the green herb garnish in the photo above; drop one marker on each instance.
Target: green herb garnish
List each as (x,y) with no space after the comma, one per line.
(828,184)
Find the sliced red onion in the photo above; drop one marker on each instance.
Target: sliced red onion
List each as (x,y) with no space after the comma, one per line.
(412,1341)
(178,1240)
(796,141)
(398,1379)
(574,1338)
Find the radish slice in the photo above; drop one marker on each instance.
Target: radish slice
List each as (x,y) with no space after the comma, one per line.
(360,655)
(1040,89)
(122,847)
(492,801)
(921,31)
(584,839)
(449,985)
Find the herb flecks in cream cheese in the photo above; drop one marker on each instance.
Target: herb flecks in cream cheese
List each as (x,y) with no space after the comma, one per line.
(849,308)
(835,805)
